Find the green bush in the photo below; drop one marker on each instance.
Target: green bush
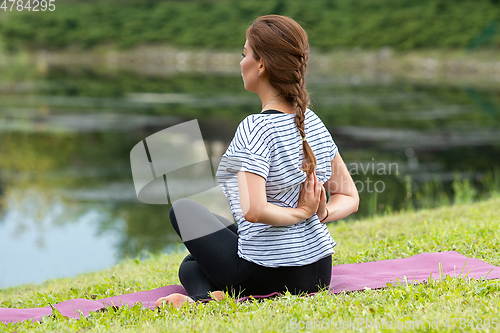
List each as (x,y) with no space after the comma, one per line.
(401,24)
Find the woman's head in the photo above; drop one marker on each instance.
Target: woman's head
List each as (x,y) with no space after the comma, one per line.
(281,45)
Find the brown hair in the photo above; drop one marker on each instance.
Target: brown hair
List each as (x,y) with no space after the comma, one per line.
(282,44)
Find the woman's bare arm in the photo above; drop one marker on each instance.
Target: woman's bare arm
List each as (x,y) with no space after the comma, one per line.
(344,198)
(253,200)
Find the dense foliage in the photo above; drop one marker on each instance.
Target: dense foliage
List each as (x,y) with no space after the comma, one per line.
(401,24)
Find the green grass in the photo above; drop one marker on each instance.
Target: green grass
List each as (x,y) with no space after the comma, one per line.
(470,229)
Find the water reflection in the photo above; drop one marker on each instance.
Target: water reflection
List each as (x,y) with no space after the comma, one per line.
(67,198)
(36,244)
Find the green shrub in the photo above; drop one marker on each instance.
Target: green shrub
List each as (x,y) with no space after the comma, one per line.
(401,24)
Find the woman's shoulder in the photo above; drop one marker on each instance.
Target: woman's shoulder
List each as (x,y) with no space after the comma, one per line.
(313,119)
(310,113)
(253,123)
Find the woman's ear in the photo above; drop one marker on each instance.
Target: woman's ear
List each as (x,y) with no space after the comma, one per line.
(262,68)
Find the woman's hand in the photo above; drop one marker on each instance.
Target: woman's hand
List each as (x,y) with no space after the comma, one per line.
(322,212)
(310,196)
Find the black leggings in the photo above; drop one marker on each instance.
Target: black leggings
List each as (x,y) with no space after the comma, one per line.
(214,264)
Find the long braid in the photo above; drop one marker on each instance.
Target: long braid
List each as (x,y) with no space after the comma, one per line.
(302,102)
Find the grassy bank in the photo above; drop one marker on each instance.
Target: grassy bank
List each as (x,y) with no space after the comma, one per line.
(469,229)
(445,67)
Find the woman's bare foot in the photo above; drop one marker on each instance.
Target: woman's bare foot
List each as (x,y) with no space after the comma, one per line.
(176,299)
(218,295)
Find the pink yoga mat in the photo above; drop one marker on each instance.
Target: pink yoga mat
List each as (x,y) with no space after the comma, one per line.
(345,278)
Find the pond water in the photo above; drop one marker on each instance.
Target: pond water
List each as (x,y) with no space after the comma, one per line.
(67,198)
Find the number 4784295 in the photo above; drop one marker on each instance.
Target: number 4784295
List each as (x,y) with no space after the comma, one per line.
(29,5)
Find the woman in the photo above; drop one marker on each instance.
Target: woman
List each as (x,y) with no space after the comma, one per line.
(280,241)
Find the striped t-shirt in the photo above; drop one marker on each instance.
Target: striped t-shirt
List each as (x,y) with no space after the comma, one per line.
(269,144)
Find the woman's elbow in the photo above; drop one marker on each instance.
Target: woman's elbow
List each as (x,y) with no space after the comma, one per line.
(251,216)
(355,202)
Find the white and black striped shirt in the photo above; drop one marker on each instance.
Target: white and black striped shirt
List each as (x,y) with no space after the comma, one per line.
(269,144)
